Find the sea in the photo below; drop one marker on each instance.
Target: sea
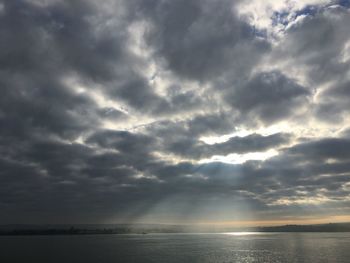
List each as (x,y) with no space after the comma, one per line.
(190,247)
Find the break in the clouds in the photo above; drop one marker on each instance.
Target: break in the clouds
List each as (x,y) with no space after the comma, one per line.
(174,111)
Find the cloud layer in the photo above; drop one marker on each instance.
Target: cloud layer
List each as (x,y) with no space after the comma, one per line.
(173,111)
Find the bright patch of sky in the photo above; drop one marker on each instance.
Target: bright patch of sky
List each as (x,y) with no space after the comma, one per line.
(274,17)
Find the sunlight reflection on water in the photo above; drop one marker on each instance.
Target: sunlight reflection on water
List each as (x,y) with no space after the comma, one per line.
(250,247)
(242,233)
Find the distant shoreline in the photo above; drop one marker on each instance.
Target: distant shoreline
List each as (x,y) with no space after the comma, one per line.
(47,230)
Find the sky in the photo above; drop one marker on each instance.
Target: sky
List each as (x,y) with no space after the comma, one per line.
(174,111)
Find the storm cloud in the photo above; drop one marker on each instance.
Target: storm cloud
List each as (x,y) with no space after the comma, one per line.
(173,111)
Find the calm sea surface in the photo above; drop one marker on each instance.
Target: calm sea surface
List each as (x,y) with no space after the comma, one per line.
(258,247)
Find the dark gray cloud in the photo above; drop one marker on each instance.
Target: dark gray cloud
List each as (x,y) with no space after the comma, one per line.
(334,102)
(329,148)
(197,45)
(34,61)
(268,96)
(213,123)
(318,41)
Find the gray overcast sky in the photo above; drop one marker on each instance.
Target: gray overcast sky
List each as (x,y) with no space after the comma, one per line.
(174,111)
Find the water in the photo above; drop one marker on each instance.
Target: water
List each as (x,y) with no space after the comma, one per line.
(255,247)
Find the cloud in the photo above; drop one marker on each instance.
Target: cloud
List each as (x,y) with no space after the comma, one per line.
(197,45)
(250,143)
(268,96)
(317,43)
(330,148)
(105,110)
(334,103)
